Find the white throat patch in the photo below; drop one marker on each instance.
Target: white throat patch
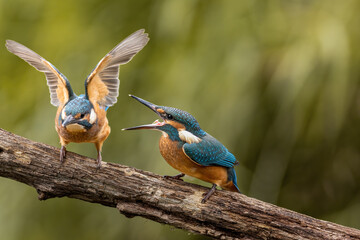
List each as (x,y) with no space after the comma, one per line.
(63,115)
(75,128)
(188,137)
(92,116)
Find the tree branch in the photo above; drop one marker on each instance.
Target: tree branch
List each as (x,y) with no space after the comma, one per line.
(134,192)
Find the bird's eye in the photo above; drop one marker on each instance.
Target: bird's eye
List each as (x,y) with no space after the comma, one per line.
(82,115)
(169,116)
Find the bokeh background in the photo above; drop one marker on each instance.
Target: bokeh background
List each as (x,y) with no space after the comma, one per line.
(276,81)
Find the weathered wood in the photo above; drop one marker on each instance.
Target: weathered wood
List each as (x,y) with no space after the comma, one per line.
(134,192)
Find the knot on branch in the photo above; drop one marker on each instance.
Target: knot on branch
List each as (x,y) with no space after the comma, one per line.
(125,208)
(44,195)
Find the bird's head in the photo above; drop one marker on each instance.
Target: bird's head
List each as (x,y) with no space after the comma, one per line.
(176,123)
(78,115)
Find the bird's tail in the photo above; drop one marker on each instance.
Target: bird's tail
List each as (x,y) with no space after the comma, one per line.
(232,184)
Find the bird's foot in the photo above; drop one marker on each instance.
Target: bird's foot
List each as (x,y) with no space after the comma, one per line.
(62,154)
(208,194)
(99,160)
(176,177)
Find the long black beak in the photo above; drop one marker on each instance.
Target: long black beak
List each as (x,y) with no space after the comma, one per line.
(145,126)
(69,120)
(146,103)
(152,107)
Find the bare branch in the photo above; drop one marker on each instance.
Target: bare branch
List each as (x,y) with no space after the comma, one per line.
(134,192)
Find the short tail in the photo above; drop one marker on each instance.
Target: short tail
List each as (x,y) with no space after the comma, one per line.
(232,185)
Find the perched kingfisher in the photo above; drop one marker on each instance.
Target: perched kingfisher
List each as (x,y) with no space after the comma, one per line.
(83,118)
(190,150)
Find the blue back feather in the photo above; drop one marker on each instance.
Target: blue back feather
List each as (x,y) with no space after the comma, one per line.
(209,152)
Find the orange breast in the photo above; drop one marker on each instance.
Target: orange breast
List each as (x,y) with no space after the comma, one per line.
(175,156)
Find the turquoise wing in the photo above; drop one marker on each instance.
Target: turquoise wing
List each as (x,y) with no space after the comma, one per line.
(209,152)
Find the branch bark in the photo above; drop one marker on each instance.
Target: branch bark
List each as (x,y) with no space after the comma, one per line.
(134,192)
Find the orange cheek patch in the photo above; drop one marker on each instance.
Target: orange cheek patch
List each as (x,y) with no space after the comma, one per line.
(175,124)
(87,117)
(160,110)
(77,115)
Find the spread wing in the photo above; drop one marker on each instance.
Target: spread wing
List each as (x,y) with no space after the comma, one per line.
(209,152)
(102,85)
(59,86)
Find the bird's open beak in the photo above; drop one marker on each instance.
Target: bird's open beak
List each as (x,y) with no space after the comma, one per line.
(153,125)
(69,120)
(153,107)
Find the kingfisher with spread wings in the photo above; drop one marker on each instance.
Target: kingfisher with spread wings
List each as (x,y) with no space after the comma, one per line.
(83,118)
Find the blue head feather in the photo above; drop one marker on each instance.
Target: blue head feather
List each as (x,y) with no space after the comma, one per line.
(102,107)
(186,119)
(78,105)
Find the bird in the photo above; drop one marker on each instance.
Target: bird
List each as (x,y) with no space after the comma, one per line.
(83,118)
(191,150)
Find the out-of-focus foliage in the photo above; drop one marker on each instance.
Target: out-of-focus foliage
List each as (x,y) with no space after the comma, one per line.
(276,81)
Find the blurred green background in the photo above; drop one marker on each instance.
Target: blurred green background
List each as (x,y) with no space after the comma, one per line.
(276,81)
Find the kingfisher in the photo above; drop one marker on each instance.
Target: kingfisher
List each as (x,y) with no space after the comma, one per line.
(83,118)
(191,150)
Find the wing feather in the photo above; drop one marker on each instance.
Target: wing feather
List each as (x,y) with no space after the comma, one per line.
(209,152)
(102,85)
(59,86)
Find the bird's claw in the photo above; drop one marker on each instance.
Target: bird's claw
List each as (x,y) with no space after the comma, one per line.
(62,154)
(208,194)
(176,177)
(98,165)
(99,160)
